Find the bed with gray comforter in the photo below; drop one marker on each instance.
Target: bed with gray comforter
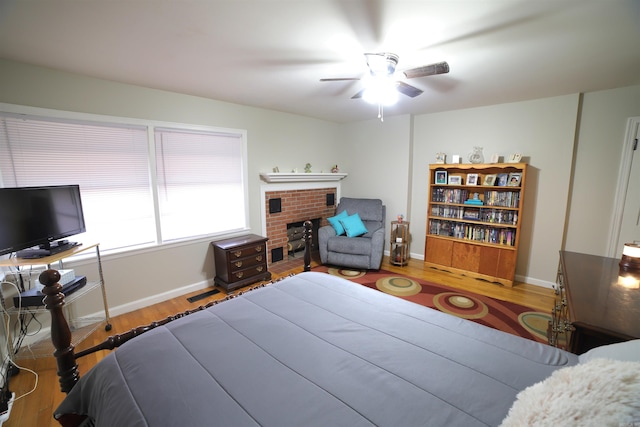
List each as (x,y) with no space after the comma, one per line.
(313,350)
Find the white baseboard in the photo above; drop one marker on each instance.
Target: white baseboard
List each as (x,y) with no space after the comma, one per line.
(153,299)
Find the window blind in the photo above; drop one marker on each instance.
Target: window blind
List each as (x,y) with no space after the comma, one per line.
(198,175)
(200,180)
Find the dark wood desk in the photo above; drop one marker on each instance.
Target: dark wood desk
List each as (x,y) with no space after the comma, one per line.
(591,308)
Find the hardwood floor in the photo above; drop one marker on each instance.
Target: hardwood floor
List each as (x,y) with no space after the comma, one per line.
(36,409)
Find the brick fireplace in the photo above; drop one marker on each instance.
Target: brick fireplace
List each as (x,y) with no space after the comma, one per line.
(283,207)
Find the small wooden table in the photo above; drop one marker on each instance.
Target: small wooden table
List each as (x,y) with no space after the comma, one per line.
(240,261)
(599,311)
(399,243)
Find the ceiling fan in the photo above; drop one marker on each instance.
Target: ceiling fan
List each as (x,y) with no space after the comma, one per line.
(382,65)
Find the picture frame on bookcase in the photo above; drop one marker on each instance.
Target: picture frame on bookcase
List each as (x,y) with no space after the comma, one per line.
(472,179)
(455,180)
(502,179)
(514,179)
(441,177)
(514,158)
(490,180)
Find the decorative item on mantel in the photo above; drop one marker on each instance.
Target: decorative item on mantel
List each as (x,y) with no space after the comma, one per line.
(307,168)
(334,169)
(476,155)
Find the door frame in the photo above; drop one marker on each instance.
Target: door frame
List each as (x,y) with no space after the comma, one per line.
(633,123)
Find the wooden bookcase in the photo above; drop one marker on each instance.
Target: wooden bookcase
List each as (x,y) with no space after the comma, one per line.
(474,228)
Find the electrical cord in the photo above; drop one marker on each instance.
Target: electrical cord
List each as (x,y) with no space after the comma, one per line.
(7,326)
(23,321)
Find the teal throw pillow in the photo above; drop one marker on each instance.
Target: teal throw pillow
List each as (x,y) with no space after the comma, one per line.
(353,225)
(335,222)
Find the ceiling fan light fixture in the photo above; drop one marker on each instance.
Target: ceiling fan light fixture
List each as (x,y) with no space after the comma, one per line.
(380,90)
(382,64)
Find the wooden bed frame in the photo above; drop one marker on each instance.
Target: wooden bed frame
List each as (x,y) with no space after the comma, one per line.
(64,353)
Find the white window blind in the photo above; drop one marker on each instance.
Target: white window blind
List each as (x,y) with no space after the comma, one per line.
(109,162)
(200,180)
(199,175)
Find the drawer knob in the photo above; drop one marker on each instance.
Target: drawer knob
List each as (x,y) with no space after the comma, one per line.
(239,275)
(259,269)
(259,258)
(258,248)
(238,264)
(238,254)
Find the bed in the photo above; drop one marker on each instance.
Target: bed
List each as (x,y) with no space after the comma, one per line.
(309,350)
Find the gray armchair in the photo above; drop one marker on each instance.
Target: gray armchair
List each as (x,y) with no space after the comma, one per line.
(364,251)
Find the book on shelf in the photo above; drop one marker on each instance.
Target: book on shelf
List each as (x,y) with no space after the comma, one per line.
(478,233)
(509,199)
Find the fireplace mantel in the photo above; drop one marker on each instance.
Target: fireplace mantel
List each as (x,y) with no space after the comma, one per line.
(275,177)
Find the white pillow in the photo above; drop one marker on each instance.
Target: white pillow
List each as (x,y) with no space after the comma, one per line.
(626,351)
(597,393)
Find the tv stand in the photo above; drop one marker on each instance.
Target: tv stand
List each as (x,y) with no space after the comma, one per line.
(81,327)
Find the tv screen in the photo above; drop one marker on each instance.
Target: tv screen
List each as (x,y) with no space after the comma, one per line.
(38,216)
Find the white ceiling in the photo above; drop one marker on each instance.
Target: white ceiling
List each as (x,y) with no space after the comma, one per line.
(272,53)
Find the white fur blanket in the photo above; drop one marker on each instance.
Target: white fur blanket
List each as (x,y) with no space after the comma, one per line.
(600,392)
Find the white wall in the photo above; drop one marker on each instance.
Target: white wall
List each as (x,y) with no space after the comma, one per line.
(572,144)
(384,160)
(377,156)
(601,137)
(274,139)
(543,131)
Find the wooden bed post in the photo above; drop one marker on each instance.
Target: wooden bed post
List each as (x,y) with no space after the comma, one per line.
(308,225)
(60,332)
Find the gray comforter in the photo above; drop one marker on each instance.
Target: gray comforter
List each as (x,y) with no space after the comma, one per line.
(314,350)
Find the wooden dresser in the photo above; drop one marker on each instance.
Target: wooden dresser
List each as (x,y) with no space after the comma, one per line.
(240,261)
(591,309)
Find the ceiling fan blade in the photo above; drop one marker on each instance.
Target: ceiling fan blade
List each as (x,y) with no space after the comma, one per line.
(408,90)
(340,79)
(427,70)
(358,95)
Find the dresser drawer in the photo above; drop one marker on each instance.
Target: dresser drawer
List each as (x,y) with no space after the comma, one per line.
(242,263)
(247,251)
(247,273)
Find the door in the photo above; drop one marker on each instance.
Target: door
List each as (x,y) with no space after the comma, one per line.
(627,210)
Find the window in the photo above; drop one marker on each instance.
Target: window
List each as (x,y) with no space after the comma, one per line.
(200,182)
(140,184)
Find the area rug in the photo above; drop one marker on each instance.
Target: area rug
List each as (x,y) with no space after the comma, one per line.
(503,315)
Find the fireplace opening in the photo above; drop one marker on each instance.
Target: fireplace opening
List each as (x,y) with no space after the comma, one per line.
(295,236)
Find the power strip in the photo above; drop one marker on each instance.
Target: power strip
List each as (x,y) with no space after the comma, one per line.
(5,415)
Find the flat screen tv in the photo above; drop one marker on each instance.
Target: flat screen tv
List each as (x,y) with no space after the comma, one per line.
(38,217)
